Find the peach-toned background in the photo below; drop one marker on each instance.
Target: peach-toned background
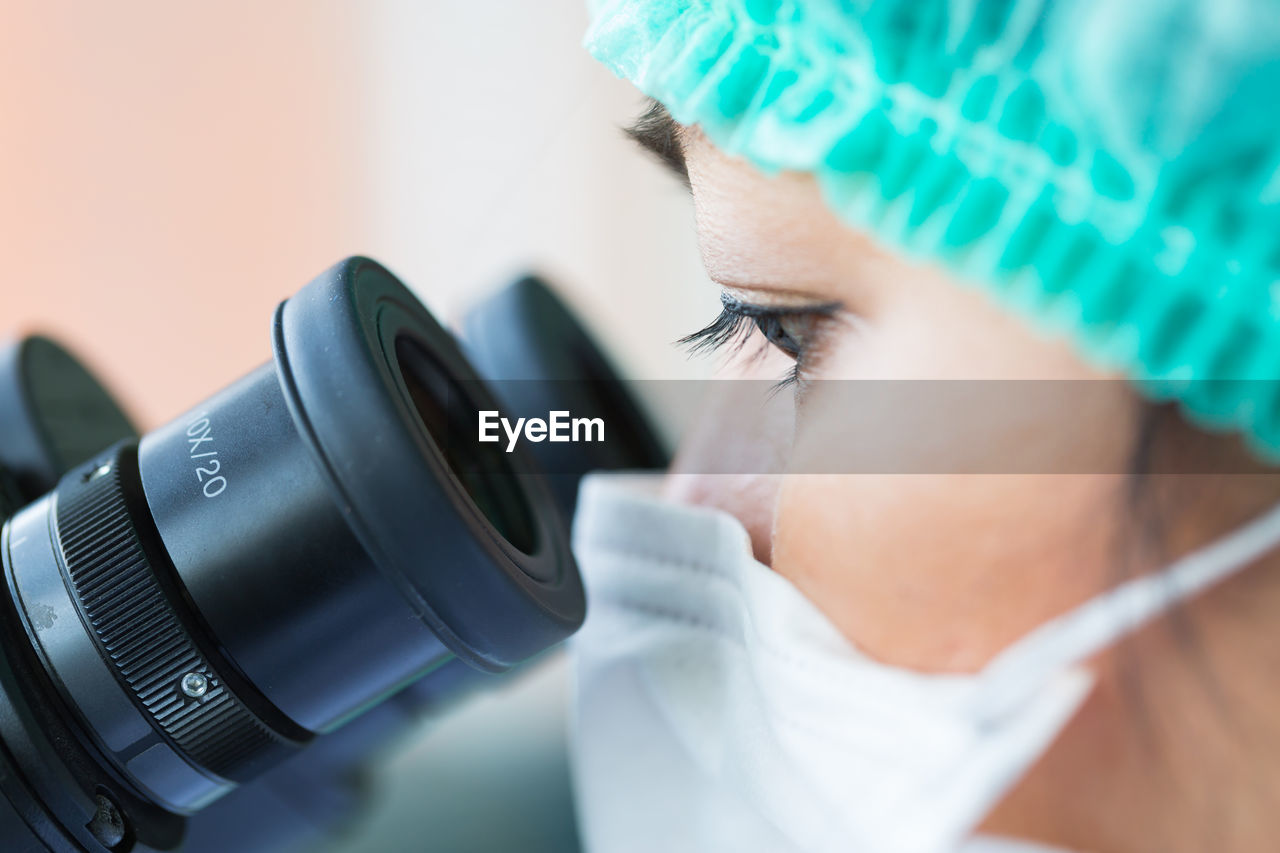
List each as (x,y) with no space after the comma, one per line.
(170,171)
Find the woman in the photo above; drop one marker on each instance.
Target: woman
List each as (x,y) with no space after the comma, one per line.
(1077,650)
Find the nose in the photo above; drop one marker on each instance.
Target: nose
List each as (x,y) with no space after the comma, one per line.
(733,456)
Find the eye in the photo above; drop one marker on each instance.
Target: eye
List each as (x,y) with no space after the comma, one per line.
(791,333)
(793,330)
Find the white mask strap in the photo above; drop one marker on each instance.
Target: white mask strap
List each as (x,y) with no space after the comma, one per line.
(1100,622)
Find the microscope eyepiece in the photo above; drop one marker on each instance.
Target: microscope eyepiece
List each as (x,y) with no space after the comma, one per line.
(198,605)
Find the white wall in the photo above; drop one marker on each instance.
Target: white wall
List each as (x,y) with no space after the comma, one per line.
(494,143)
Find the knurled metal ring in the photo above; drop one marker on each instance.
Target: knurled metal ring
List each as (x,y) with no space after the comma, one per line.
(141,634)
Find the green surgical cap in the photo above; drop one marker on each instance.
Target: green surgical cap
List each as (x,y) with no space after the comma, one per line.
(1107,168)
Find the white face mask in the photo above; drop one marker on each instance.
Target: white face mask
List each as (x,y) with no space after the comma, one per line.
(718,709)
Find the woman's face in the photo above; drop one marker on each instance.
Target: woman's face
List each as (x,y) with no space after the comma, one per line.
(934,571)
(939,571)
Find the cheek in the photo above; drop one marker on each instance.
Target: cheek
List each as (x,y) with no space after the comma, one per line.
(938,573)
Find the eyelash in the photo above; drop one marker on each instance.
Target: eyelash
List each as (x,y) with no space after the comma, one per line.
(737,320)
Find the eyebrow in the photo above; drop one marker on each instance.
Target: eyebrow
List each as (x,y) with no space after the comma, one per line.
(659,134)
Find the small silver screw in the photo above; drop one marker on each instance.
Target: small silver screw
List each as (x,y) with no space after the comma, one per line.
(101,471)
(195,685)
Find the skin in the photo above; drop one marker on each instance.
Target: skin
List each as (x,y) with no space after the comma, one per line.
(1177,748)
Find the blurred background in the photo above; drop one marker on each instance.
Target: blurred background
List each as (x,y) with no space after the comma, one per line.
(170,172)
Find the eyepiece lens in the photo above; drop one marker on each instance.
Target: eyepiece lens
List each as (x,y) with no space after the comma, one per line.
(449,414)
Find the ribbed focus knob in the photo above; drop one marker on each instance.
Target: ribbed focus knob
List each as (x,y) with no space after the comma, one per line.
(140,631)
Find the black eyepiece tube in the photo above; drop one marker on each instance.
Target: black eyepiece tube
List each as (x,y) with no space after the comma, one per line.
(267,559)
(284,555)
(323,536)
